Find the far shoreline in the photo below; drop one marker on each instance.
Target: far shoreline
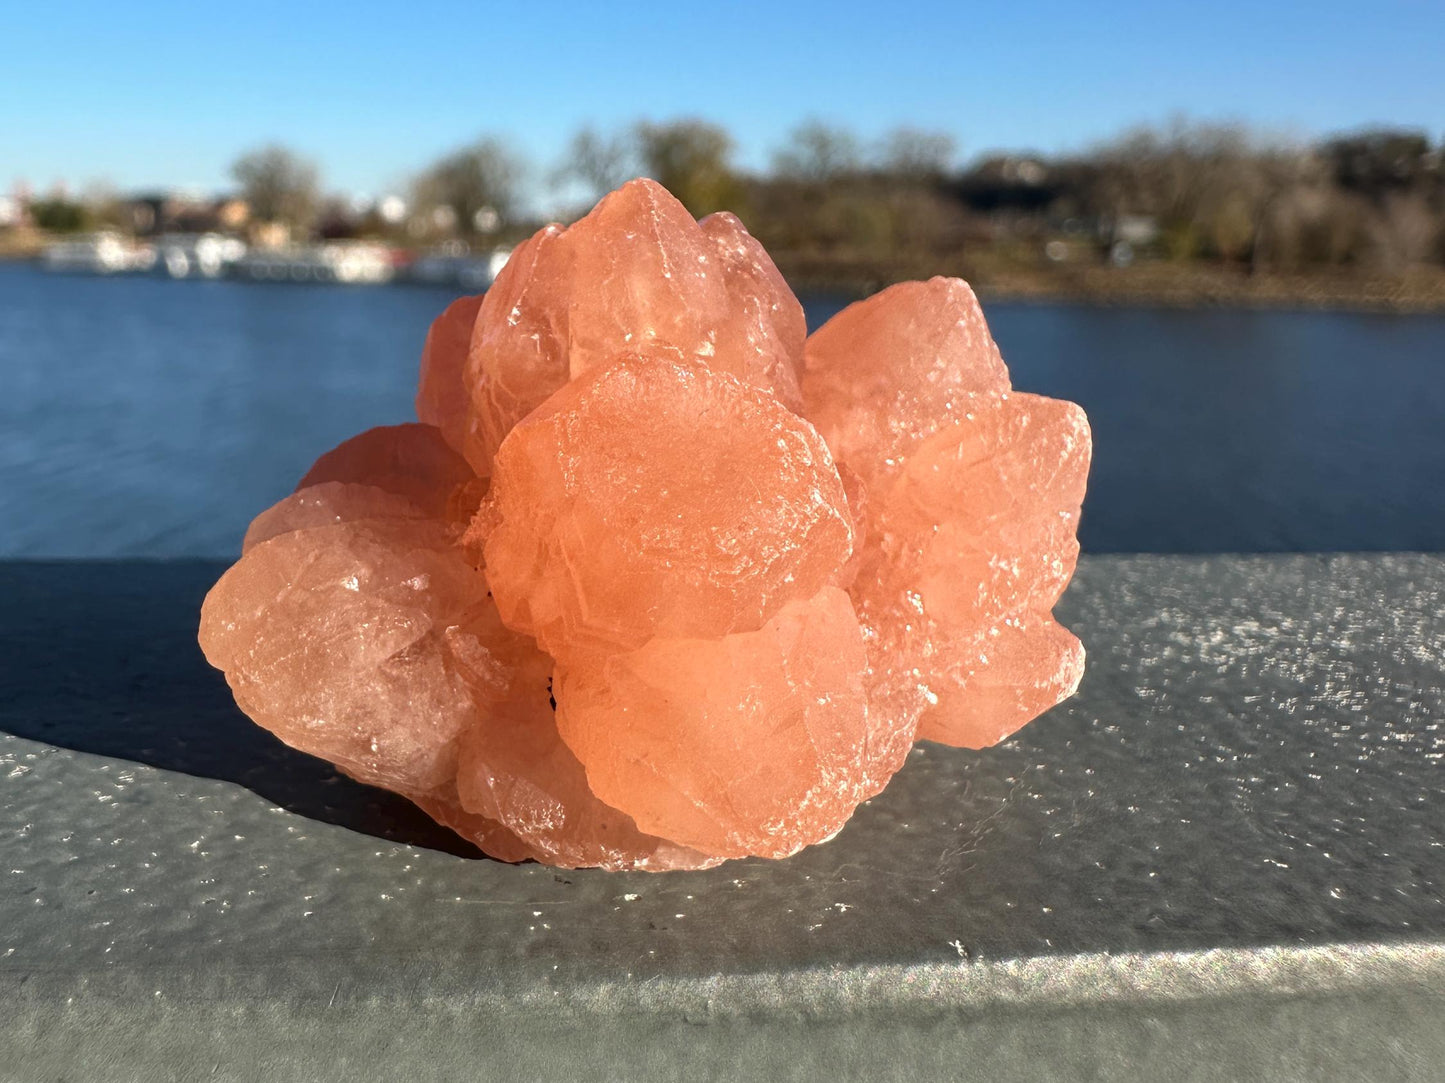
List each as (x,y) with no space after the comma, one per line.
(1418,291)
(1148,284)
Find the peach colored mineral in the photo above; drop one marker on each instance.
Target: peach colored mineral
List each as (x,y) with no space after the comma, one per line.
(659,581)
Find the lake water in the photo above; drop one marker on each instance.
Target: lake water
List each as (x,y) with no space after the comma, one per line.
(145,417)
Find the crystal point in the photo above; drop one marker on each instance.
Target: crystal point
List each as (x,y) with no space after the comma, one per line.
(441,393)
(970,498)
(410,461)
(637,274)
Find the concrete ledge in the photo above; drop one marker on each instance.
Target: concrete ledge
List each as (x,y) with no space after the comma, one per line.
(1222,860)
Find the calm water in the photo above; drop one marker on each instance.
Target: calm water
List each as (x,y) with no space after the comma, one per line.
(147,417)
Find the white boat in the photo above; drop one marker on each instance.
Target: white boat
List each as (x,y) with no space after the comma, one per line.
(462,269)
(349,262)
(197,255)
(102,253)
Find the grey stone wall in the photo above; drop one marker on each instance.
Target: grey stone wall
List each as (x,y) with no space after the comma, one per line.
(1221,860)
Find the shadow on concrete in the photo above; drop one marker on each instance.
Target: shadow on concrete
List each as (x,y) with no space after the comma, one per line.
(101,657)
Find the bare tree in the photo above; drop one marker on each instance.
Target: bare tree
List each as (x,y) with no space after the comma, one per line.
(598,162)
(917,153)
(278,185)
(692,160)
(474,188)
(1212,188)
(817,152)
(1379,161)
(1405,231)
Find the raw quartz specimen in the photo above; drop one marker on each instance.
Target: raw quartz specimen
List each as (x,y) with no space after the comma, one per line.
(658,580)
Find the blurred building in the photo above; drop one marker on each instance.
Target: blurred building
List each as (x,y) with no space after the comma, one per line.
(1008,183)
(149,214)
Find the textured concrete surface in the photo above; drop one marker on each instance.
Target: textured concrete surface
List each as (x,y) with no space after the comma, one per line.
(1221,860)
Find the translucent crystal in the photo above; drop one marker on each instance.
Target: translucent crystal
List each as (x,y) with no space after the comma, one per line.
(638,274)
(750,743)
(334,639)
(410,461)
(659,497)
(968,497)
(441,393)
(657,581)
(515,770)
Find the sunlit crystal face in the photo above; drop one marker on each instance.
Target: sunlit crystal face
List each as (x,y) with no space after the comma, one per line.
(658,582)
(658,498)
(637,275)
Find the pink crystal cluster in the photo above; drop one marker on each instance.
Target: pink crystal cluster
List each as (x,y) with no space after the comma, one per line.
(658,580)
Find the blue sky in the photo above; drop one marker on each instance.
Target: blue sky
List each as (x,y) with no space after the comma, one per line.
(168,93)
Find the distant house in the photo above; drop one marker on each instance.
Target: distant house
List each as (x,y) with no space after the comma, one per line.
(152,213)
(233,213)
(1138,230)
(1008,182)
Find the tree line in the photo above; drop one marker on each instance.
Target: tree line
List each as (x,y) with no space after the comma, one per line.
(1179,192)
